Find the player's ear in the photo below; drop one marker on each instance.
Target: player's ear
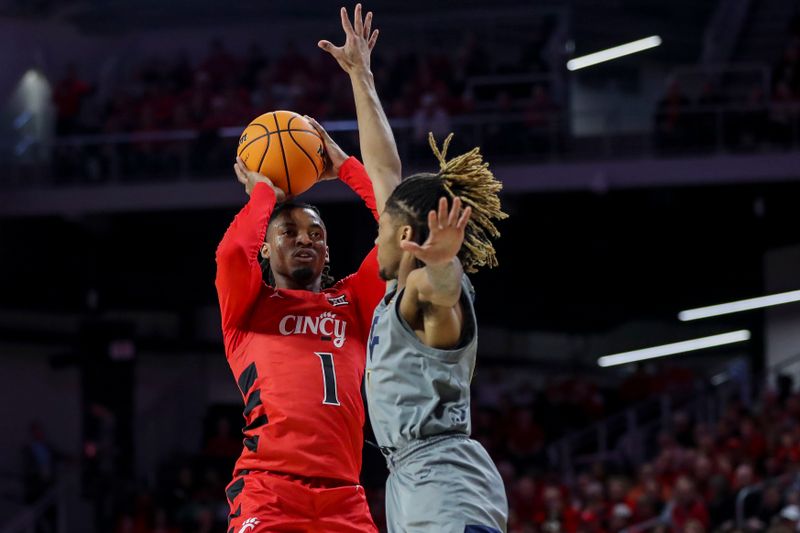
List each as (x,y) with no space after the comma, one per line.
(327,254)
(406,233)
(265,250)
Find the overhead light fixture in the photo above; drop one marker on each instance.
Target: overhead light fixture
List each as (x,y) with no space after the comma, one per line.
(614,53)
(739,305)
(674,348)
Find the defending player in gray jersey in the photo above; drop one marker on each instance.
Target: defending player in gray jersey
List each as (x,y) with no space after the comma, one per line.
(422,350)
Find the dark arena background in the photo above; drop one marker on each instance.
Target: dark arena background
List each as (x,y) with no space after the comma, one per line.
(657,182)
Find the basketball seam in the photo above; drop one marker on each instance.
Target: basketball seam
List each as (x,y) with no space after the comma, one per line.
(279,130)
(314,133)
(246,146)
(264,155)
(310,159)
(266,129)
(283,154)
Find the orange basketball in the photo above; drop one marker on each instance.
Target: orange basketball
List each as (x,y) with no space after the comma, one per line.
(284,147)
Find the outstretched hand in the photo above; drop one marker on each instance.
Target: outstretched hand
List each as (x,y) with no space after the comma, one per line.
(249,178)
(446,234)
(354,54)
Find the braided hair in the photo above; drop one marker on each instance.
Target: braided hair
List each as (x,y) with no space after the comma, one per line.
(466,176)
(266,271)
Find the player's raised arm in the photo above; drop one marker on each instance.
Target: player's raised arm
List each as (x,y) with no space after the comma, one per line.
(378,146)
(435,289)
(239,277)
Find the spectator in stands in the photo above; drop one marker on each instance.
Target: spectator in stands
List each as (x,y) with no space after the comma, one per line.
(254,63)
(68,96)
(707,121)
(687,506)
(671,118)
(541,121)
(431,116)
(789,518)
(524,499)
(525,438)
(555,514)
(471,58)
(620,518)
(219,64)
(39,464)
(769,507)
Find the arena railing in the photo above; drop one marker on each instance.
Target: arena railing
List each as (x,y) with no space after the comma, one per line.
(783,366)
(734,82)
(530,136)
(783,480)
(626,437)
(651,523)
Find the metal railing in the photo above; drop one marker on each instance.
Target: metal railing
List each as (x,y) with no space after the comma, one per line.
(745,492)
(646,525)
(779,368)
(520,135)
(624,438)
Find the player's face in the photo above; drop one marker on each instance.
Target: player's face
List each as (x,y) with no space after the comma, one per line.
(390,234)
(297,245)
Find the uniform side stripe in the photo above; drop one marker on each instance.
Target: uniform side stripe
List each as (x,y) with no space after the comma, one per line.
(252,402)
(257,423)
(247,378)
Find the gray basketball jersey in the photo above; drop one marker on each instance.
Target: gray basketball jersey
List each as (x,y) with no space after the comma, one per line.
(415,391)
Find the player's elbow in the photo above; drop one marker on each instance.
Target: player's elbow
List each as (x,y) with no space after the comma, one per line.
(230,250)
(233,263)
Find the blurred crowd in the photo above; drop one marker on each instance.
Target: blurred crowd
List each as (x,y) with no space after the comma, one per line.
(689,483)
(432,90)
(226,89)
(738,473)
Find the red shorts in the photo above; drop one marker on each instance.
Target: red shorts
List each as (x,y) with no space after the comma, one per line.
(261,502)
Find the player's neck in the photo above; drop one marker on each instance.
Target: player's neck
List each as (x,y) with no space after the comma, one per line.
(287,282)
(402,278)
(407,264)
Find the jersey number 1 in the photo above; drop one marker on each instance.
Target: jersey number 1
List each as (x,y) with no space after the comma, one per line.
(328,378)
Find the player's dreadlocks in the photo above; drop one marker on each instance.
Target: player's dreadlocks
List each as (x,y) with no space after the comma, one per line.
(266,271)
(467,177)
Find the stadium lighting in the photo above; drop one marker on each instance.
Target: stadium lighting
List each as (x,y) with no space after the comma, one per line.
(674,348)
(739,305)
(614,53)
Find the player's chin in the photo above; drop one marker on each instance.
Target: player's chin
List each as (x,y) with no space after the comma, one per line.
(386,275)
(304,274)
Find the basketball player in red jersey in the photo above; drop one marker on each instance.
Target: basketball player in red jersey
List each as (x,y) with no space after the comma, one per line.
(296,348)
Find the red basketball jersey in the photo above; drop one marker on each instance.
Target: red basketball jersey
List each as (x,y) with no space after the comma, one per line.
(298,356)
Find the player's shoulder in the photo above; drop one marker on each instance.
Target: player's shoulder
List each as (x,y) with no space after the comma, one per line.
(349,284)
